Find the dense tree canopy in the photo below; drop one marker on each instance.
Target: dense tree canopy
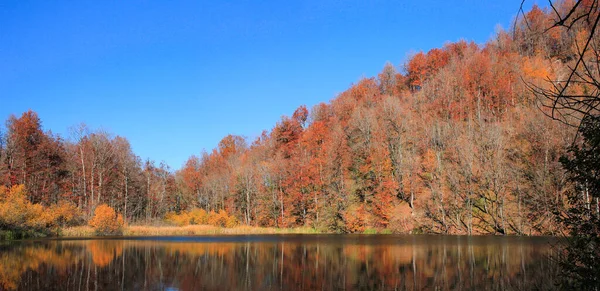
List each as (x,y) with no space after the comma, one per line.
(453,142)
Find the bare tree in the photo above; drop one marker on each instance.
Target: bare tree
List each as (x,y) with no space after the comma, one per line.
(78,133)
(575,92)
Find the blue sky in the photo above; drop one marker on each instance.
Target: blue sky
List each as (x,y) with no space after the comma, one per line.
(174,77)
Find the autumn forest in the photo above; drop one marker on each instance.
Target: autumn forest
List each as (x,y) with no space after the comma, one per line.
(454,141)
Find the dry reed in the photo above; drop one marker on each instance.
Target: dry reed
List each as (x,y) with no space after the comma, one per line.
(146,230)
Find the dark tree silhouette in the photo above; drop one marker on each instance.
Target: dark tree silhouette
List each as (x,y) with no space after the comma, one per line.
(574,99)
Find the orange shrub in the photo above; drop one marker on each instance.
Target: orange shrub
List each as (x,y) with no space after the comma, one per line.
(356,219)
(199,216)
(181,219)
(17,213)
(65,213)
(218,219)
(231,221)
(106,221)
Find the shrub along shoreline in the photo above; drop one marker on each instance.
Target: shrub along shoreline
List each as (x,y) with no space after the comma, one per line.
(21,219)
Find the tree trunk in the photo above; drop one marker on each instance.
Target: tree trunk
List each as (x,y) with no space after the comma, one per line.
(126,196)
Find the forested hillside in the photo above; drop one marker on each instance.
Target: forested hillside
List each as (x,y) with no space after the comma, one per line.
(454,141)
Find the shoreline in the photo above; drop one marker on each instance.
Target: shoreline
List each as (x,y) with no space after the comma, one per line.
(145,230)
(192,230)
(80,232)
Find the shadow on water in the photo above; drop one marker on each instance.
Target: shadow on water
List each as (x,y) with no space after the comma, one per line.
(279,262)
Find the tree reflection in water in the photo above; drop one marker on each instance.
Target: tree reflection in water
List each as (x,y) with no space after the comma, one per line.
(318,262)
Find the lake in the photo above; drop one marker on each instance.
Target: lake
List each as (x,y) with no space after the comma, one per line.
(280,262)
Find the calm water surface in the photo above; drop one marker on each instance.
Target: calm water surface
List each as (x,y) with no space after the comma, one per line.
(280,262)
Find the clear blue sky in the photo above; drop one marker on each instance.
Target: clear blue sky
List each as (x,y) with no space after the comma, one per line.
(174,77)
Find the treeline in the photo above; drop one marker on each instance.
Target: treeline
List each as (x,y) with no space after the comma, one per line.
(90,169)
(454,143)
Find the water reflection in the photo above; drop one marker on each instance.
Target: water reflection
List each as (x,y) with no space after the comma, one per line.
(279,263)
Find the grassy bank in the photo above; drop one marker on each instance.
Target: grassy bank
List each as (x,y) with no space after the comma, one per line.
(24,234)
(145,230)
